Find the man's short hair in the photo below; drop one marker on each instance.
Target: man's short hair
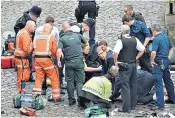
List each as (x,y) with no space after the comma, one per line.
(125,29)
(126,18)
(103,42)
(156,27)
(49,19)
(98,49)
(129,7)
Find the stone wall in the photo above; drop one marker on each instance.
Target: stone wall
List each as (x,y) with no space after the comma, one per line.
(108,23)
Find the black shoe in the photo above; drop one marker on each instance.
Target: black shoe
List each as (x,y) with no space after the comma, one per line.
(157,108)
(120,110)
(169,102)
(51,99)
(73,102)
(43,92)
(62,92)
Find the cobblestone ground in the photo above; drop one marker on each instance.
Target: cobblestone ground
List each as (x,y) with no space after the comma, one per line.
(8,90)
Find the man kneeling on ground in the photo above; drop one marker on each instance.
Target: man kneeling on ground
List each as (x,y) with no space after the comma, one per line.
(98,90)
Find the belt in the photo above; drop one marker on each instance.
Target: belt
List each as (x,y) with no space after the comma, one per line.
(22,57)
(42,56)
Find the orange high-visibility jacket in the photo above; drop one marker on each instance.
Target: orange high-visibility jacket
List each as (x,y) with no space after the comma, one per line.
(45,44)
(23,43)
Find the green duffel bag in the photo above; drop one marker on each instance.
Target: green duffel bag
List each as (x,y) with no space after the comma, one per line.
(17,101)
(40,102)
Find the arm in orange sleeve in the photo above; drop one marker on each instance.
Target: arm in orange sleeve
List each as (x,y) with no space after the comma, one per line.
(27,42)
(53,46)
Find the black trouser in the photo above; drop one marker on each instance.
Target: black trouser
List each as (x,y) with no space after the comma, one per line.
(128,81)
(84,8)
(145,64)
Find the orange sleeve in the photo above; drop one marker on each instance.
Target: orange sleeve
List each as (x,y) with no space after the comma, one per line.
(27,42)
(53,45)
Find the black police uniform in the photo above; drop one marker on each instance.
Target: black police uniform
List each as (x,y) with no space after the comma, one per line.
(128,77)
(83,8)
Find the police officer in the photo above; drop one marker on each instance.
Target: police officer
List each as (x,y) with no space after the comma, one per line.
(162,51)
(87,25)
(31,14)
(128,45)
(139,30)
(128,9)
(84,7)
(70,43)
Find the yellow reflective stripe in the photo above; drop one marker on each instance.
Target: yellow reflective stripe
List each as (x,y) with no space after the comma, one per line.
(55,90)
(47,45)
(50,67)
(37,89)
(20,66)
(40,37)
(42,53)
(38,67)
(55,95)
(46,68)
(20,51)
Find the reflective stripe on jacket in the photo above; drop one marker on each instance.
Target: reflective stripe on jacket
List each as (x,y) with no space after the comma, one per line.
(99,86)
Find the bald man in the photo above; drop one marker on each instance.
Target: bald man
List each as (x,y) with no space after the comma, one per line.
(70,42)
(45,48)
(22,52)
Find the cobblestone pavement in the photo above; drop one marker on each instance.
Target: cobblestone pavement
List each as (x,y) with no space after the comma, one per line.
(8,90)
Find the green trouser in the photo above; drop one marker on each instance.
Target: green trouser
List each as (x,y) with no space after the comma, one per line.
(74,76)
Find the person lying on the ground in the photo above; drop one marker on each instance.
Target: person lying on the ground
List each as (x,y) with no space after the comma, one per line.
(98,90)
(145,82)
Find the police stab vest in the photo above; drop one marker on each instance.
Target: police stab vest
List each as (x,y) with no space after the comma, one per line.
(128,52)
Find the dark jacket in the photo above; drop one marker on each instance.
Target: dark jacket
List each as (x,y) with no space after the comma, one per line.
(108,63)
(21,22)
(138,16)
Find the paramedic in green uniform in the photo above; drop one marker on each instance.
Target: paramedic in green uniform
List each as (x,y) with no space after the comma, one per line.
(70,45)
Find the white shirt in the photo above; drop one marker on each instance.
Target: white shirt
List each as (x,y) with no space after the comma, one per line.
(54,32)
(119,45)
(75,28)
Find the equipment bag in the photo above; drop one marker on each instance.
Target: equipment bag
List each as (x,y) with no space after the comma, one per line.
(40,102)
(16,101)
(7,62)
(9,43)
(29,100)
(27,111)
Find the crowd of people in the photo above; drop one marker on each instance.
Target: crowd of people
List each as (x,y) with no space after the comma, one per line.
(98,73)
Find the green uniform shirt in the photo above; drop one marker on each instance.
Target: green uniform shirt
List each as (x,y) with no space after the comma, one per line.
(70,43)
